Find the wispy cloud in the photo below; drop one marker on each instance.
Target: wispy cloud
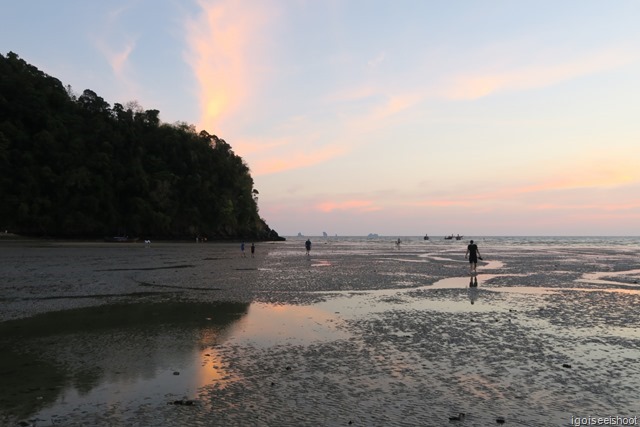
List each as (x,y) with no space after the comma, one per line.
(118,60)
(477,85)
(347,205)
(295,159)
(395,104)
(561,189)
(350,129)
(590,207)
(117,50)
(379,59)
(351,94)
(224,42)
(440,203)
(226,52)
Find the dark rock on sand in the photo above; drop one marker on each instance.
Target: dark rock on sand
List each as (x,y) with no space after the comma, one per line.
(458,417)
(183,402)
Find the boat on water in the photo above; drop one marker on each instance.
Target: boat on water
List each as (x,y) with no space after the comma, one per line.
(426,237)
(451,237)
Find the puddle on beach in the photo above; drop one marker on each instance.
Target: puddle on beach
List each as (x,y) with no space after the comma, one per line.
(60,361)
(147,353)
(88,359)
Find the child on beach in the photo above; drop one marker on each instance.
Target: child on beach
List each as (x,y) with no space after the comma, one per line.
(242,249)
(253,250)
(307,245)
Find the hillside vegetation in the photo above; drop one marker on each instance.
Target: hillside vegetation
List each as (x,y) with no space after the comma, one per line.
(75,166)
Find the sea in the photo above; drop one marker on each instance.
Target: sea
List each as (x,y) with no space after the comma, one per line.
(493,241)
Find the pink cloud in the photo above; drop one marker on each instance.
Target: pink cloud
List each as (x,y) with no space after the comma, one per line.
(474,86)
(295,160)
(348,205)
(350,94)
(117,57)
(224,49)
(564,191)
(589,207)
(441,203)
(118,60)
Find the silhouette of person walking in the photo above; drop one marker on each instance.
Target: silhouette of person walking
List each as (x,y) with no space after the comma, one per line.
(253,250)
(473,253)
(307,245)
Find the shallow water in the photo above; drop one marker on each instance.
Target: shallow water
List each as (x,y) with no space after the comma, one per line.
(139,353)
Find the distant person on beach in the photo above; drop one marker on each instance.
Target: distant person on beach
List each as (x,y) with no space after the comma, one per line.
(242,249)
(473,253)
(307,245)
(253,250)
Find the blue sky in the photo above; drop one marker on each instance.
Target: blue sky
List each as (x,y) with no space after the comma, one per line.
(388,117)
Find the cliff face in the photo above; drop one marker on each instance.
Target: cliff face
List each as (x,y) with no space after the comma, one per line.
(75,166)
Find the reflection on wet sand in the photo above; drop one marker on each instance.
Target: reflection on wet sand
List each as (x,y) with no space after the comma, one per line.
(153,353)
(598,277)
(473,294)
(126,352)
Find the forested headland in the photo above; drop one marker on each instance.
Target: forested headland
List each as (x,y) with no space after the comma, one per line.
(73,166)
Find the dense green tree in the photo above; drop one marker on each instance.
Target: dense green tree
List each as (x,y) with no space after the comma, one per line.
(73,166)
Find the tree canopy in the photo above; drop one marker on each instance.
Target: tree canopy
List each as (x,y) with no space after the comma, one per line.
(75,166)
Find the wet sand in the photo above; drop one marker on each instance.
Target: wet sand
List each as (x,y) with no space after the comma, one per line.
(194,334)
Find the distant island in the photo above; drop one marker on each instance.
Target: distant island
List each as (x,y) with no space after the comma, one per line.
(73,166)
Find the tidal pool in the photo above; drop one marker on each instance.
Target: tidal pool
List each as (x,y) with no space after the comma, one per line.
(86,359)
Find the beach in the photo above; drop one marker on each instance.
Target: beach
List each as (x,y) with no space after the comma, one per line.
(362,332)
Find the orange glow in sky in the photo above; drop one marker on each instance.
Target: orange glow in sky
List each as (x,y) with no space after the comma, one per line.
(478,120)
(364,141)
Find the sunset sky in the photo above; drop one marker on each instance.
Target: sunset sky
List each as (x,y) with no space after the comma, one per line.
(389,117)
